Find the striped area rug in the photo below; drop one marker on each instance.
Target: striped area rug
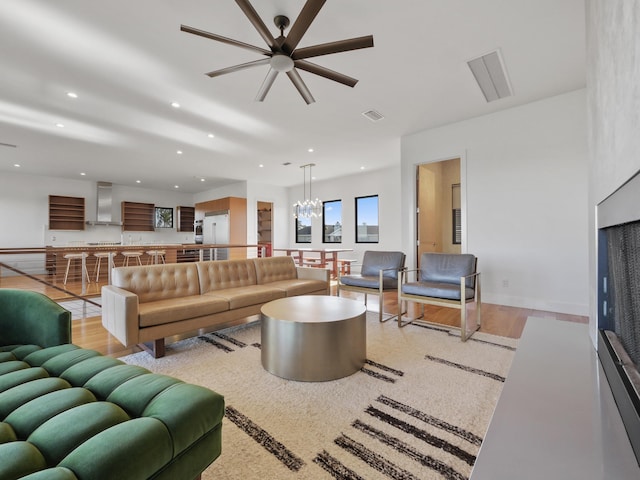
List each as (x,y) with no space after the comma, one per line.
(417,410)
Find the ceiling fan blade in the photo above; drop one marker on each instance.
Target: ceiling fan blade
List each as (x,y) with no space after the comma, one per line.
(296,79)
(235,68)
(266,85)
(220,38)
(257,22)
(333,47)
(326,73)
(302,23)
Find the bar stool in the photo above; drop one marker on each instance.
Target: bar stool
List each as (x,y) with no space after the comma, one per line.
(155,256)
(100,256)
(131,254)
(72,257)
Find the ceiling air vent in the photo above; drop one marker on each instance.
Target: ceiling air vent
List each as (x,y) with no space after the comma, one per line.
(10,145)
(491,76)
(373,115)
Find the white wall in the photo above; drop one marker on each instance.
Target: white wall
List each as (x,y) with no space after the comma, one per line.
(524,186)
(24,203)
(281,215)
(384,183)
(613,86)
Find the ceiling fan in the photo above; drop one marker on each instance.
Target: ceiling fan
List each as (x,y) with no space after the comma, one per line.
(283,54)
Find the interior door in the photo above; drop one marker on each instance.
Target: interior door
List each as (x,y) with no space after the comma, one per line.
(435,216)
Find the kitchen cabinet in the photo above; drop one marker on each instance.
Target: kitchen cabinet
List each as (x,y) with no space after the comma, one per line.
(138,217)
(66,213)
(186,217)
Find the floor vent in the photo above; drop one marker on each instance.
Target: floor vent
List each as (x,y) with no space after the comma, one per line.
(373,115)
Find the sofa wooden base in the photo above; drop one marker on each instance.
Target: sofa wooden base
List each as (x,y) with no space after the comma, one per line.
(155,348)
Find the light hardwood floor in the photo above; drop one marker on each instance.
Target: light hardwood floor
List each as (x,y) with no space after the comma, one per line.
(89,333)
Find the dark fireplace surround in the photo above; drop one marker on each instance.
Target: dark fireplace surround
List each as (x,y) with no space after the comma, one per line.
(618,247)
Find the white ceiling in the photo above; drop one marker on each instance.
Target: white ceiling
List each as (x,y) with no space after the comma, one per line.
(128,60)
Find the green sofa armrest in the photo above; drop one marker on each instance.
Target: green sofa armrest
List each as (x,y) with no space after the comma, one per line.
(32,318)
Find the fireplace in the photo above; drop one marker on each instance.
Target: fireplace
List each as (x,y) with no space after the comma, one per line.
(618,218)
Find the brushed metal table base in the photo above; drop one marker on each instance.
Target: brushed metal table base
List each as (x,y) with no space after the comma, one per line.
(313,338)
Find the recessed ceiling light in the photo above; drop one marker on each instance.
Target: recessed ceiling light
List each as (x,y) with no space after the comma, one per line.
(179,152)
(17,165)
(72,95)
(82,174)
(261,166)
(59,125)
(175,104)
(310,150)
(176,186)
(362,168)
(211,135)
(202,179)
(138,181)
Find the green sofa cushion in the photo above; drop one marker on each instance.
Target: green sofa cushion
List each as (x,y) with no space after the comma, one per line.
(12,366)
(57,473)
(21,394)
(31,415)
(68,413)
(18,459)
(7,433)
(73,427)
(129,451)
(18,377)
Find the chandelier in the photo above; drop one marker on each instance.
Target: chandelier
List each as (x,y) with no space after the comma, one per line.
(307,208)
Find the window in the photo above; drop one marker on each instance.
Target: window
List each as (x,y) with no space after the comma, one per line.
(367,228)
(303,230)
(332,221)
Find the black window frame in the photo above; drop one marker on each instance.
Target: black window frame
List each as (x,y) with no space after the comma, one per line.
(296,225)
(357,218)
(324,225)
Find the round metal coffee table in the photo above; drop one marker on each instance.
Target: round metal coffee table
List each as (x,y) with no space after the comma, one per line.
(313,338)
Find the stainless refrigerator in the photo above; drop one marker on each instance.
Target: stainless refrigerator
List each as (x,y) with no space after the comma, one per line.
(216,230)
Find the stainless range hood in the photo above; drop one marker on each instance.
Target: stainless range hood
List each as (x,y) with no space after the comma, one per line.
(104,204)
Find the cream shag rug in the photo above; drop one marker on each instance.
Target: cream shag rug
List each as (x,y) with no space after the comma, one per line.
(417,410)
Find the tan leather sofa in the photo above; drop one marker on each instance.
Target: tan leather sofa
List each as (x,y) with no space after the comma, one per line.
(146,304)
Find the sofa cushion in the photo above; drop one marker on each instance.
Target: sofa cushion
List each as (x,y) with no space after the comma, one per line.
(225,274)
(274,269)
(300,286)
(175,309)
(246,296)
(158,282)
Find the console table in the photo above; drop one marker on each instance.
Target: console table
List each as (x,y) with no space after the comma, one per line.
(556,417)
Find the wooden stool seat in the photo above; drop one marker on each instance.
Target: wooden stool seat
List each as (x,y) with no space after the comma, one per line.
(73,257)
(155,256)
(100,256)
(131,254)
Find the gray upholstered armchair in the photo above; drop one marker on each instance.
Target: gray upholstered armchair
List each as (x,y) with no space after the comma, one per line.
(379,274)
(440,280)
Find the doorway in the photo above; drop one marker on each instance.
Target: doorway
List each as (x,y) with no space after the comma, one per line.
(439,212)
(265,221)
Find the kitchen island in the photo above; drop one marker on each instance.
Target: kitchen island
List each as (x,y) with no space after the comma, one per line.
(56,263)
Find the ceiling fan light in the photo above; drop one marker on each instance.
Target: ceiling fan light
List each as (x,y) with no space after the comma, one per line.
(281,63)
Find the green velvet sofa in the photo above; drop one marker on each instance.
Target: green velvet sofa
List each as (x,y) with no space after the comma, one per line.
(71,413)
